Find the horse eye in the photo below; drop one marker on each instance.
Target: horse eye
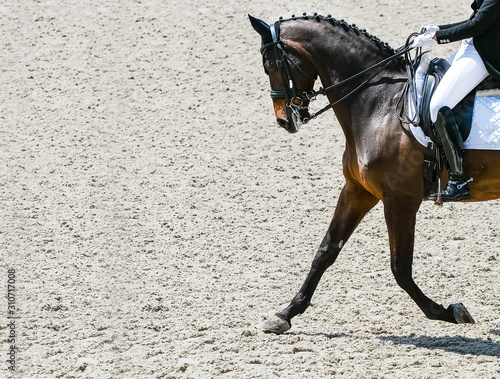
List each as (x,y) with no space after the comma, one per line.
(269,66)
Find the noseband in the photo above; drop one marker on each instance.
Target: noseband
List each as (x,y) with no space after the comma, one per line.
(297,98)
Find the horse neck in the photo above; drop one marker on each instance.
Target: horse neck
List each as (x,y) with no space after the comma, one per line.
(343,52)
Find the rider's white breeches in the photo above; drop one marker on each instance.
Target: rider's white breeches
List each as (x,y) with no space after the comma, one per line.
(466,72)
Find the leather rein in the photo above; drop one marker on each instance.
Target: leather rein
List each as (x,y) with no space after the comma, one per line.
(296,99)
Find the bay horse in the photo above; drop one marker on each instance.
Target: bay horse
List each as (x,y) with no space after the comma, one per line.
(382,160)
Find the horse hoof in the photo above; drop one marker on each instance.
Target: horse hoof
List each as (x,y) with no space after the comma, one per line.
(274,324)
(461,314)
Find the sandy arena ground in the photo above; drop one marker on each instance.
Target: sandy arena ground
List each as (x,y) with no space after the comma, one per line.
(153,211)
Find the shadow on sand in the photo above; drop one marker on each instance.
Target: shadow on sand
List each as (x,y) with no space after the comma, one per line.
(454,344)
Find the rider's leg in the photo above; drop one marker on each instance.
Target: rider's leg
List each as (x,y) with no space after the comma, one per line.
(466,72)
(451,141)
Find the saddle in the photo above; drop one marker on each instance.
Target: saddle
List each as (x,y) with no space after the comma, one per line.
(463,113)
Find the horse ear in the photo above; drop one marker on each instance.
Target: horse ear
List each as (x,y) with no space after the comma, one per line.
(262,28)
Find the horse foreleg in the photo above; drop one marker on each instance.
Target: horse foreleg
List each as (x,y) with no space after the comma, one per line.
(353,204)
(400,214)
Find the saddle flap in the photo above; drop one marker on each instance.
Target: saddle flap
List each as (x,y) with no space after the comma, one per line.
(488,87)
(437,67)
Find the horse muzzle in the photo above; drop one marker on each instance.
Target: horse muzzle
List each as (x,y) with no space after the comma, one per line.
(289,119)
(290,127)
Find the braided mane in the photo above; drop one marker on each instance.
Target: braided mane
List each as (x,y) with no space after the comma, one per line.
(383,46)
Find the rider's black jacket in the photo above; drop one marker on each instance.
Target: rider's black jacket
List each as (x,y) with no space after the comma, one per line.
(484,27)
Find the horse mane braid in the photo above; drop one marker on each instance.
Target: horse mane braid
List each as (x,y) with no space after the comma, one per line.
(384,46)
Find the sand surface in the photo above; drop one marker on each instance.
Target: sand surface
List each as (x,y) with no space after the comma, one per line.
(153,211)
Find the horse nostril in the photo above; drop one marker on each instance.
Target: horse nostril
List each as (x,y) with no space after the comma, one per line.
(282,122)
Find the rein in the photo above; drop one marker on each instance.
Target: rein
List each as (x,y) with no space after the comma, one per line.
(296,98)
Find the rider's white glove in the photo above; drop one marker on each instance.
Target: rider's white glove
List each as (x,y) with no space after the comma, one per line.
(424,40)
(429,29)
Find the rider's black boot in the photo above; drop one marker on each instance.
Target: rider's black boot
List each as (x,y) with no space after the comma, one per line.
(451,141)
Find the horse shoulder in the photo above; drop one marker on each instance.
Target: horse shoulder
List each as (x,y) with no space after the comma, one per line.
(383,165)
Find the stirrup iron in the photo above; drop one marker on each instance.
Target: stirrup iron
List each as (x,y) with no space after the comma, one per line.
(460,186)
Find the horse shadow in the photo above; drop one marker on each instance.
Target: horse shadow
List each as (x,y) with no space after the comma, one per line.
(455,344)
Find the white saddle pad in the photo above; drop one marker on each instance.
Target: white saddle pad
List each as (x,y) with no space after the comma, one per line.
(485,131)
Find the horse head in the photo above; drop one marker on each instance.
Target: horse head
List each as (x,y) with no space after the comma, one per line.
(291,74)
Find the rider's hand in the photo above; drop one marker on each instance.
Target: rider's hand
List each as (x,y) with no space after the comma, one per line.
(429,29)
(426,39)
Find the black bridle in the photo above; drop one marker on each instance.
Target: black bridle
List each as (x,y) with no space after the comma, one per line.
(297,100)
